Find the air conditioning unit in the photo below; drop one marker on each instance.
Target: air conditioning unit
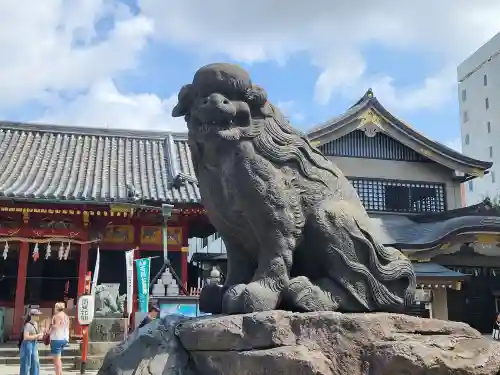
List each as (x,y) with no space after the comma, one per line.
(423,295)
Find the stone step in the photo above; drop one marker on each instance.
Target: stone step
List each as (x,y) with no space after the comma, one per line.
(9,355)
(11,350)
(44,360)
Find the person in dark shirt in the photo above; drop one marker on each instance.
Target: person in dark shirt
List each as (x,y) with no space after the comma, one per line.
(153,313)
(496,328)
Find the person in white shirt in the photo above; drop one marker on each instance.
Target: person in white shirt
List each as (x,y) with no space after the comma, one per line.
(59,335)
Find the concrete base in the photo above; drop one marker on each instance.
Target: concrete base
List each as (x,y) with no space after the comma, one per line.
(92,364)
(95,355)
(99,348)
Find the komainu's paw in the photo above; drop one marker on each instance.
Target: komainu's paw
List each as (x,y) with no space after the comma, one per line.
(210,300)
(253,297)
(302,295)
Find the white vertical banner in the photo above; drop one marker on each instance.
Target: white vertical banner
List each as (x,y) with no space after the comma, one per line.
(96,272)
(129,263)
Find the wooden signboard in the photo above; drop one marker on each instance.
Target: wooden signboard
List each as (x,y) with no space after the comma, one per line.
(119,234)
(152,235)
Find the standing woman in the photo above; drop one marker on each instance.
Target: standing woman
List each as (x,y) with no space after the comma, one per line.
(30,362)
(496,328)
(59,335)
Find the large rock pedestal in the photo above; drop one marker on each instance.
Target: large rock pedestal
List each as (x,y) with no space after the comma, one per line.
(279,342)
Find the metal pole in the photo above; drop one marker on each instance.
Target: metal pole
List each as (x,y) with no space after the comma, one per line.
(166,210)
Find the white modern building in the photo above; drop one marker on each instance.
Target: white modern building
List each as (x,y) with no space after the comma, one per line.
(479,98)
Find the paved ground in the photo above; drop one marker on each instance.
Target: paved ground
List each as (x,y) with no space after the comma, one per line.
(44,370)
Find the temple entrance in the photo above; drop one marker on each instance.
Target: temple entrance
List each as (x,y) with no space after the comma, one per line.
(51,280)
(475,304)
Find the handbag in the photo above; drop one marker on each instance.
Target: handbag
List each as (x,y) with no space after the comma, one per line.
(46,338)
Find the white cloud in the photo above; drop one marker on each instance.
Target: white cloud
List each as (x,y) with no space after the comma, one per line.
(290,110)
(104,106)
(58,49)
(50,46)
(53,50)
(334,34)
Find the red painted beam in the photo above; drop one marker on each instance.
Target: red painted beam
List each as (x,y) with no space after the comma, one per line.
(184,255)
(42,233)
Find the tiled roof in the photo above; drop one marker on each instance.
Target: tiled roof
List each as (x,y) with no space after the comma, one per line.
(69,163)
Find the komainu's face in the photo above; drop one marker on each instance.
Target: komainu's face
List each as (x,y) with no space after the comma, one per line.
(219,102)
(217,111)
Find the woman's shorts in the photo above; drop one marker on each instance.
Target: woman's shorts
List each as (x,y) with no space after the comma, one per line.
(56,346)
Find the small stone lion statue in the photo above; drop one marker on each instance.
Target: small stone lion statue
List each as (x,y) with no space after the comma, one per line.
(107,302)
(296,234)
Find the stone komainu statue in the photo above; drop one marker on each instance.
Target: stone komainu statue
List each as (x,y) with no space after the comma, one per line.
(296,233)
(107,302)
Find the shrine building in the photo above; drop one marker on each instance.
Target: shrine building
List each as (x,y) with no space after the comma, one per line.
(65,191)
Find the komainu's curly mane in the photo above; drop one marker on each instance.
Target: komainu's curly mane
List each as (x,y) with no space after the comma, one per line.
(276,140)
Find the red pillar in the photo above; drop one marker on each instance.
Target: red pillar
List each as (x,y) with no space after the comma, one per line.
(82,271)
(22,269)
(184,255)
(184,266)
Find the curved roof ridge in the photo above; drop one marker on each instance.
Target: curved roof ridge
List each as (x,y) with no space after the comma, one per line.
(369,99)
(438,146)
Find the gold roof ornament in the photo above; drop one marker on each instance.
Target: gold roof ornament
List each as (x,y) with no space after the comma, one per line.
(425,152)
(315,143)
(370,123)
(487,239)
(477,172)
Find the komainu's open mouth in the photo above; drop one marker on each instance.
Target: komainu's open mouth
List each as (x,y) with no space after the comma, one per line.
(207,126)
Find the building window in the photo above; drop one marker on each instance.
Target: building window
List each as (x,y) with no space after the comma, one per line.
(465,116)
(400,196)
(464,95)
(492,177)
(471,186)
(491,151)
(485,80)
(488,126)
(467,139)
(487,103)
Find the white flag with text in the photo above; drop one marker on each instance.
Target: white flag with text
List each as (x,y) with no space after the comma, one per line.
(129,262)
(96,272)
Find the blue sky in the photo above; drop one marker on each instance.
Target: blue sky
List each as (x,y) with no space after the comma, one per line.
(112,63)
